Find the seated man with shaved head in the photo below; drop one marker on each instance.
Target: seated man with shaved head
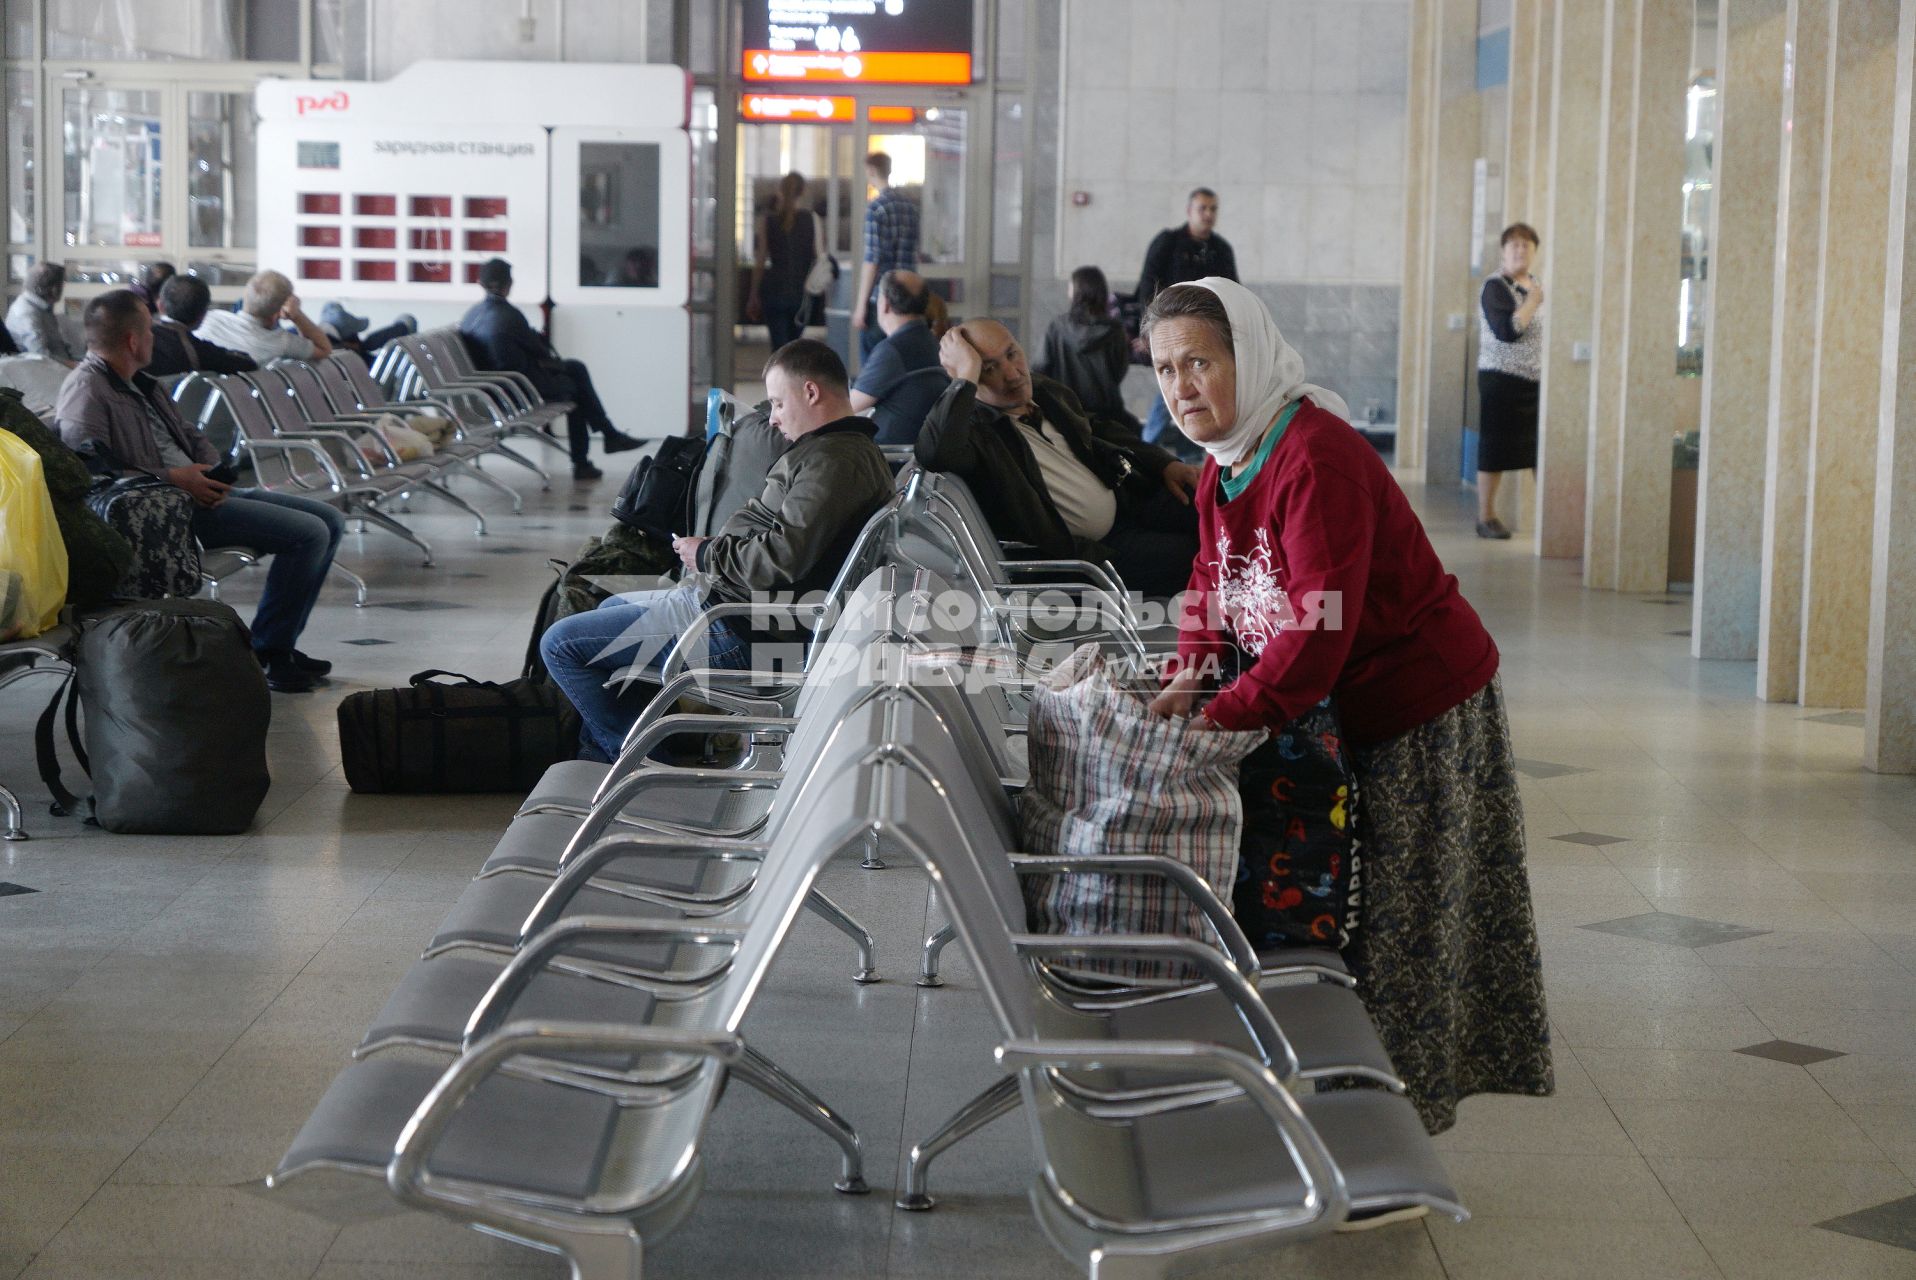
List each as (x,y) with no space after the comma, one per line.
(1046,474)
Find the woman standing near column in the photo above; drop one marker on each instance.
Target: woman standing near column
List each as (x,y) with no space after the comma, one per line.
(1509,368)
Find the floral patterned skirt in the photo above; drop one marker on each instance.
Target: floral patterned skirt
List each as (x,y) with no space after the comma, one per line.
(1447,959)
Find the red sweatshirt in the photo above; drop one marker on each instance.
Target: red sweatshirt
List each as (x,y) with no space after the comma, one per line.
(1399,646)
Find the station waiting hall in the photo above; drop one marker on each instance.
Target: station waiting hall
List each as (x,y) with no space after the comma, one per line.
(958,638)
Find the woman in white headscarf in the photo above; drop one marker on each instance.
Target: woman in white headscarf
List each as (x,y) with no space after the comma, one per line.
(1315,580)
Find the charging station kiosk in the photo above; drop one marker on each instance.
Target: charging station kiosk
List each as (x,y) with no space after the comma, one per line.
(388,196)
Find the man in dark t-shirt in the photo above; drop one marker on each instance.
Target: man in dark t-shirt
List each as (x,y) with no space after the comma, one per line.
(1179,255)
(902,378)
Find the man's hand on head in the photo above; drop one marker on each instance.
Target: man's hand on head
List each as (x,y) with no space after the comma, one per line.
(199,486)
(959,357)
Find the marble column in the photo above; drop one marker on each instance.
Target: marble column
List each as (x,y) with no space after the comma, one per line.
(1845,398)
(1610,299)
(1522,106)
(1798,269)
(1739,328)
(1653,288)
(1450,300)
(1889,727)
(1568,269)
(1413,305)
(1542,65)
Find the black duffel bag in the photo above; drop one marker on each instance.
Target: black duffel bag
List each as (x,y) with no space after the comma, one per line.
(459,735)
(657,497)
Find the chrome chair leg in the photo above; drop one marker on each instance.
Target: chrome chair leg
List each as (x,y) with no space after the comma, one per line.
(375,516)
(439,488)
(359,584)
(841,920)
(872,862)
(771,1080)
(513,455)
(470,467)
(934,947)
(1001,1098)
(15,819)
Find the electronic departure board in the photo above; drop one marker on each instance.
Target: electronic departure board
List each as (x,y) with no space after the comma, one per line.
(858,41)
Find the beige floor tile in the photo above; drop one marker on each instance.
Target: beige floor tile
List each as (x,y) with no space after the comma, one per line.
(147,1267)
(1800,949)
(1611,1024)
(1743,1130)
(1717,882)
(1676,1075)
(1775,914)
(1845,1030)
(1586,908)
(1586,1188)
(1868,1078)
(1891,1126)
(198,1224)
(1777,1192)
(1561,1249)
(1536,1126)
(1572,945)
(32,1213)
(1877,987)
(1734,854)
(1641,984)
(1751,1251)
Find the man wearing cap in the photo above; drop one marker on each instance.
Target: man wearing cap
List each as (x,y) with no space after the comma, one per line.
(508,342)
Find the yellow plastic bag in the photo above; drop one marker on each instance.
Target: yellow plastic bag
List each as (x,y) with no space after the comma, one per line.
(33,559)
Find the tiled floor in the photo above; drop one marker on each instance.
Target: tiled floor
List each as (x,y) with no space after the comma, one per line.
(1727,905)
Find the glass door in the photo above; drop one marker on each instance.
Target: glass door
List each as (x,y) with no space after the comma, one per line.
(115,174)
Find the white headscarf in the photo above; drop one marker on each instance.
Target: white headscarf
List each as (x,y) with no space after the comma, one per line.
(1270,373)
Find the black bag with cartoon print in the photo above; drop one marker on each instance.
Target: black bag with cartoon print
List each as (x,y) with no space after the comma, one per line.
(1299,870)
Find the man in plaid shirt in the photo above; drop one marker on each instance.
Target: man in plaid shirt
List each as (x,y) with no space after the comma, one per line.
(891,244)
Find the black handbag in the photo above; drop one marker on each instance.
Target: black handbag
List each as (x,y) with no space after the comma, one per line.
(446,734)
(657,497)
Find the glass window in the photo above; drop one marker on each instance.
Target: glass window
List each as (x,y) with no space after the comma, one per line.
(220,193)
(220,273)
(619,215)
(19,28)
(704,134)
(112,275)
(928,166)
(113,166)
(207,31)
(18,264)
(329,33)
(1008,181)
(21,138)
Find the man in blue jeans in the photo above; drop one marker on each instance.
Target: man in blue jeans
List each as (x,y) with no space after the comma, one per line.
(785,544)
(121,421)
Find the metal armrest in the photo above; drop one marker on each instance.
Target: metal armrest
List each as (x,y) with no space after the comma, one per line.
(407,1176)
(632,756)
(1194,887)
(578,872)
(558,938)
(1269,1038)
(675,660)
(1100,575)
(298,446)
(1326,1198)
(342,438)
(608,806)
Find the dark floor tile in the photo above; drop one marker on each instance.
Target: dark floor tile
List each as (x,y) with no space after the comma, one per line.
(1678,931)
(1893,1223)
(1684,632)
(10,890)
(368,640)
(1801,1055)
(1850,719)
(1547,769)
(1595,839)
(505,551)
(418,606)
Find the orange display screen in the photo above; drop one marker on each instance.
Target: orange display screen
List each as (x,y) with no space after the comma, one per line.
(871,66)
(892,115)
(795,108)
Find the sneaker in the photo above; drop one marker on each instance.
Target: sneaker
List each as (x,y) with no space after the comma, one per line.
(1492,528)
(284,676)
(586,471)
(619,442)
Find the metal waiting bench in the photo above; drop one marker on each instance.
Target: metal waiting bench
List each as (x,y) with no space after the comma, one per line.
(50,651)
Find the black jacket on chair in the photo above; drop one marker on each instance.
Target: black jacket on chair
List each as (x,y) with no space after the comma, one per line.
(982,446)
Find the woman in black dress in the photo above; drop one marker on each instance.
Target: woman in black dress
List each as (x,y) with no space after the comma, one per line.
(1509,368)
(788,242)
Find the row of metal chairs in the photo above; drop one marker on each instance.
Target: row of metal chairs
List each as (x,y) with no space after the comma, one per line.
(436,364)
(592,980)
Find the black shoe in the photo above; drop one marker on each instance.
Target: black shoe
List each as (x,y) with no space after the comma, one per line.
(1492,528)
(619,442)
(284,676)
(311,666)
(586,471)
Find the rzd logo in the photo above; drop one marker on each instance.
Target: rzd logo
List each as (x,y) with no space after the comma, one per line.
(333,102)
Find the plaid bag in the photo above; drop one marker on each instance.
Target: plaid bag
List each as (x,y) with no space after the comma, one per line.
(1109,777)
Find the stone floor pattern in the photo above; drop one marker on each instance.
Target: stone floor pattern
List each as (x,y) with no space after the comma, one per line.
(1726,901)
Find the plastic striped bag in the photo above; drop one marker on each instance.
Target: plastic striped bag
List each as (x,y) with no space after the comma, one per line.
(33,557)
(1108,777)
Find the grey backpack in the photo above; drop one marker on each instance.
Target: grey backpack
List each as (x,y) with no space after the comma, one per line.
(176,714)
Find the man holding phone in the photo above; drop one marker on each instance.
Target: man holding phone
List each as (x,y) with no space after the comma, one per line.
(121,421)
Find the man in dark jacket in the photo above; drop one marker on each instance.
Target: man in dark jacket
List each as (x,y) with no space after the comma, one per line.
(510,343)
(117,417)
(785,544)
(1044,473)
(1179,255)
(183,301)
